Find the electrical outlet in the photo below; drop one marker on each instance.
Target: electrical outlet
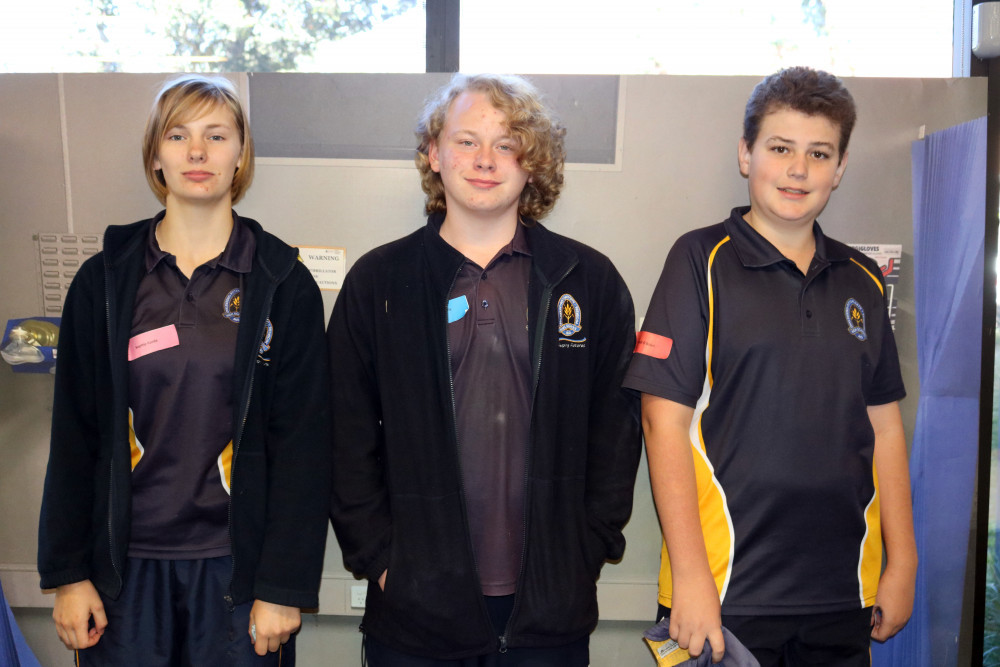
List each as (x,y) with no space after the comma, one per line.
(358,595)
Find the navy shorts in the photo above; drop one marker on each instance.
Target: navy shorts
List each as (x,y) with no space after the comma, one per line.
(173,612)
(840,638)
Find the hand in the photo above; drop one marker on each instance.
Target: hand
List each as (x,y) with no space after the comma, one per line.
(271,625)
(696,616)
(75,605)
(893,602)
(381,580)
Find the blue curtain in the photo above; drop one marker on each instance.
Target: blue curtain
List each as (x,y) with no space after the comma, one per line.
(949,199)
(14,651)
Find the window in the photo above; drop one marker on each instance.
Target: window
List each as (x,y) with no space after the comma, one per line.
(212,35)
(900,38)
(848,37)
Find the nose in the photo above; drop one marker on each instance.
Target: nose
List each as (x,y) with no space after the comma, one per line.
(196,151)
(485,159)
(798,167)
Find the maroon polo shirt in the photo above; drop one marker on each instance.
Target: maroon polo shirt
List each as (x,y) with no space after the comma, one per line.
(491,368)
(180,397)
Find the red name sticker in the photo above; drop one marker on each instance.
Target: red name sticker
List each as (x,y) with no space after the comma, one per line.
(653,345)
(152,341)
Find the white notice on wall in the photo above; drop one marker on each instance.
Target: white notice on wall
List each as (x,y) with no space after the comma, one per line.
(327,265)
(889,257)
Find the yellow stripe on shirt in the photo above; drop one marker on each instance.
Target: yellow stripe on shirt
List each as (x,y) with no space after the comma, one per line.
(225,462)
(870,561)
(878,283)
(716,521)
(135,447)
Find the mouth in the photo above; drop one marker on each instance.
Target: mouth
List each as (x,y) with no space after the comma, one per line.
(795,192)
(482,183)
(198,176)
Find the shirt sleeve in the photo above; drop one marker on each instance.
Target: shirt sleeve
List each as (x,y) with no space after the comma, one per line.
(670,352)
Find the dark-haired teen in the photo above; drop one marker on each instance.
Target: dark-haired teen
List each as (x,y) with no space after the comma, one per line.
(770,384)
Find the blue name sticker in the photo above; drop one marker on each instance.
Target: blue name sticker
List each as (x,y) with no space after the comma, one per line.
(457,308)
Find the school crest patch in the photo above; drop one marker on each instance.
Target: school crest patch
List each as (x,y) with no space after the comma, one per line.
(855,316)
(265,343)
(231,306)
(570,319)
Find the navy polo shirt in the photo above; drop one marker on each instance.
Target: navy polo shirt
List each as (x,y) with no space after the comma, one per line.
(780,369)
(182,351)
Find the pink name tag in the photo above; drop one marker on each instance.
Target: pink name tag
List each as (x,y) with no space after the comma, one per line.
(152,341)
(653,345)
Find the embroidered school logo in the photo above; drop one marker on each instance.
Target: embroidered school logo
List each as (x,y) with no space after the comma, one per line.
(231,306)
(855,316)
(265,344)
(569,316)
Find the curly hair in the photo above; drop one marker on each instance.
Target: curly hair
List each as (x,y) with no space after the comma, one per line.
(809,91)
(535,127)
(185,98)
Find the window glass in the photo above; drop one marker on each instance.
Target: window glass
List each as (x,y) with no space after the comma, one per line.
(213,35)
(733,37)
(848,37)
(991,624)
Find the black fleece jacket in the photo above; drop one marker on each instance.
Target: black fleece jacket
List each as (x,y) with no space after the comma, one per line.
(397,497)
(280,468)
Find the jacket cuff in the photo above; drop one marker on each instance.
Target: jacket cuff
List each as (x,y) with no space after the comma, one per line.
(286,597)
(379,565)
(50,580)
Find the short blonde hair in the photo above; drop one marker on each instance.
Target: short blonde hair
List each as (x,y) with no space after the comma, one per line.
(186,98)
(542,152)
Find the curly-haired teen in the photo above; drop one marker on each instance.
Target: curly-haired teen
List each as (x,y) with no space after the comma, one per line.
(484,451)
(538,134)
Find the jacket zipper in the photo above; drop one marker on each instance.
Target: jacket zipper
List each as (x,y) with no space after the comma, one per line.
(539,340)
(454,428)
(111,464)
(236,445)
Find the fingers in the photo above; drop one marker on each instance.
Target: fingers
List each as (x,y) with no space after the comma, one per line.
(718,644)
(885,625)
(272,625)
(75,605)
(100,621)
(269,643)
(78,635)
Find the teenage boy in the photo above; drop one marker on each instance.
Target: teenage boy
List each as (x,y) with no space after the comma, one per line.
(485,452)
(770,382)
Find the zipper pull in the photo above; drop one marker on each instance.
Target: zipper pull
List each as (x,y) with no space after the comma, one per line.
(503,643)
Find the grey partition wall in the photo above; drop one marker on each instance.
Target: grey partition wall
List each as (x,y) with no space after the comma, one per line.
(650,157)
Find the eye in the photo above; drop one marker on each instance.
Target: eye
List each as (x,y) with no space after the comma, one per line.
(216,137)
(505,147)
(780,150)
(821,155)
(173,137)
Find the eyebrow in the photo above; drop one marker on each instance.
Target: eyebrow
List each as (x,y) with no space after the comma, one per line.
(214,126)
(506,137)
(811,144)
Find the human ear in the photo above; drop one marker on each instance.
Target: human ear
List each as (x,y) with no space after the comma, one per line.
(841,168)
(743,156)
(432,156)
